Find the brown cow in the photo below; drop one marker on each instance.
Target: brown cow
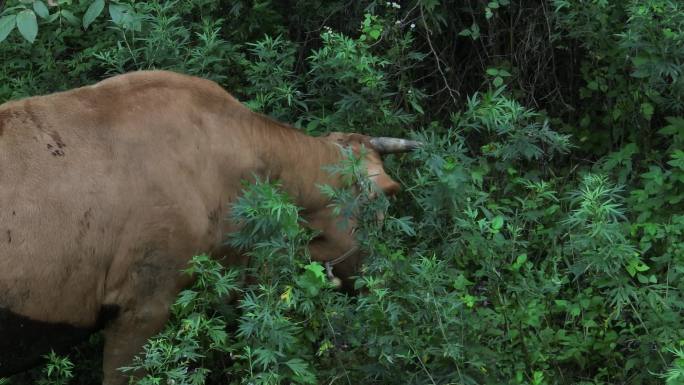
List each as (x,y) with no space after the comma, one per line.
(106,192)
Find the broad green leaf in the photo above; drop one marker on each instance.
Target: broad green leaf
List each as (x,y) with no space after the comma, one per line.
(635,266)
(647,110)
(93,11)
(519,261)
(41,9)
(476,31)
(575,310)
(492,71)
(562,303)
(27,25)
(469,300)
(313,279)
(374,33)
(497,223)
(498,81)
(116,12)
(7,24)
(125,17)
(473,32)
(317,270)
(642,278)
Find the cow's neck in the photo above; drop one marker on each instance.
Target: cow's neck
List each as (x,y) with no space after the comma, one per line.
(298,161)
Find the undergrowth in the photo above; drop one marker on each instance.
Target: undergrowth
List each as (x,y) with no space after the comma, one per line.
(537,239)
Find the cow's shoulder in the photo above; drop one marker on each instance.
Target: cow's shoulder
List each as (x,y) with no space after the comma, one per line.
(155,80)
(7,113)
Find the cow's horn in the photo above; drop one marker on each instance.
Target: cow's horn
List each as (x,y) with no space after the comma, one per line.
(385,145)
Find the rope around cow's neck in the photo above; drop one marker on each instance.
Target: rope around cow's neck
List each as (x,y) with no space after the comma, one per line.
(329,264)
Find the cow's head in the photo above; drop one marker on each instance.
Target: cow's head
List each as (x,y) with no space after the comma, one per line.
(336,245)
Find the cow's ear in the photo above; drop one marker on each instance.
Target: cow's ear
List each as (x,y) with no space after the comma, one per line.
(388,185)
(349,139)
(377,174)
(355,138)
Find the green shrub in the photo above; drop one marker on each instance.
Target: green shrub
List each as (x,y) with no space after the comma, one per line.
(537,239)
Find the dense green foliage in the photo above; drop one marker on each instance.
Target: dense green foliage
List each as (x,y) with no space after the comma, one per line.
(537,239)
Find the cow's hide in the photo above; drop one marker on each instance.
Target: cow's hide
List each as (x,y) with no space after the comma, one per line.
(106,191)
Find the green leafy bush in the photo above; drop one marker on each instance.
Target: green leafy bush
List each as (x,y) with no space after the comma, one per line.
(537,239)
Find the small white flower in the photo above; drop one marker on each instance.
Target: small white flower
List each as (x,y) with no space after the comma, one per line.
(397,22)
(413,25)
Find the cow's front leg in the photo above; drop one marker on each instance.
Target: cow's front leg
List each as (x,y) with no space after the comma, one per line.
(125,337)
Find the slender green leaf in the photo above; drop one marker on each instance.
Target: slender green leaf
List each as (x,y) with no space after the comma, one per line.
(41,9)
(93,11)
(7,24)
(73,20)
